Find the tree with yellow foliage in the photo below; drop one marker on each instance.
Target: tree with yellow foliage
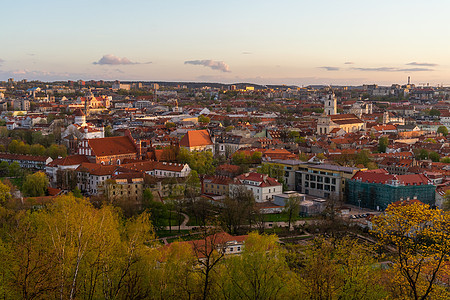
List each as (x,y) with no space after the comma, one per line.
(420,237)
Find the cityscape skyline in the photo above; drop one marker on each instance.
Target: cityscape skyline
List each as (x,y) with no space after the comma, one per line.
(290,42)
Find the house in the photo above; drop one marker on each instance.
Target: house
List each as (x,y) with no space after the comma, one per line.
(216,185)
(262,186)
(91,175)
(158,169)
(197,140)
(129,186)
(26,161)
(71,162)
(228,144)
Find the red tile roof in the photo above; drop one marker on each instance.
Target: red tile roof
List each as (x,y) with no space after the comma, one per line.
(194,138)
(71,160)
(383,177)
(112,146)
(262,179)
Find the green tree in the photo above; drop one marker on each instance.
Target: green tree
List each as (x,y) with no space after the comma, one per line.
(37,149)
(434,112)
(35,185)
(14,169)
(383,142)
(203,119)
(443,130)
(434,156)
(4,166)
(260,272)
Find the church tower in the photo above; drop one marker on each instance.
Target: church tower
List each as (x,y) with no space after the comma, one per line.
(330,105)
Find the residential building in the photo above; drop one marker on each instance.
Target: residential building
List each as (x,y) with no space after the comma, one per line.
(216,185)
(125,186)
(262,186)
(91,175)
(27,161)
(376,189)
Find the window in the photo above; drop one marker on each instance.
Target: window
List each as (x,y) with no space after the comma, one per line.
(231,249)
(333,180)
(327,179)
(319,179)
(320,186)
(313,185)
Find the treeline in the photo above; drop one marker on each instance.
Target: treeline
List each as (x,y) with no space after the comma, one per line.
(71,250)
(19,147)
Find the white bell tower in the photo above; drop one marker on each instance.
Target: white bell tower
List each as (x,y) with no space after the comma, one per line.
(330,105)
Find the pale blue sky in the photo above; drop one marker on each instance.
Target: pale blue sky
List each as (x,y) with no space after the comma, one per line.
(284,41)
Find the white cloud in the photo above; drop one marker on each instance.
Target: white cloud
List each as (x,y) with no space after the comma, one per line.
(110,59)
(215,65)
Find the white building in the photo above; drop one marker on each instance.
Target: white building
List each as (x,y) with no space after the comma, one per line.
(262,186)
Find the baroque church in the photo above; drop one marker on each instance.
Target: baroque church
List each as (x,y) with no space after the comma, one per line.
(330,120)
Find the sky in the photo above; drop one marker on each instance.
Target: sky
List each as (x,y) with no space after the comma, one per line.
(345,42)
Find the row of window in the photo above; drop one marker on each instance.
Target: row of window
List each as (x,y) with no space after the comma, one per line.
(320,186)
(320,179)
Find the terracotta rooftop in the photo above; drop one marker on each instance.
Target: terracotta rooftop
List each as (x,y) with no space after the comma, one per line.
(112,146)
(383,177)
(70,160)
(194,138)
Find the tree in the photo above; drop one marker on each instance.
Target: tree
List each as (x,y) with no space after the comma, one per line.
(14,169)
(383,142)
(443,130)
(35,185)
(273,170)
(209,250)
(292,209)
(434,112)
(200,161)
(434,156)
(4,193)
(170,125)
(340,268)
(237,207)
(203,119)
(4,168)
(37,149)
(109,131)
(260,272)
(421,240)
